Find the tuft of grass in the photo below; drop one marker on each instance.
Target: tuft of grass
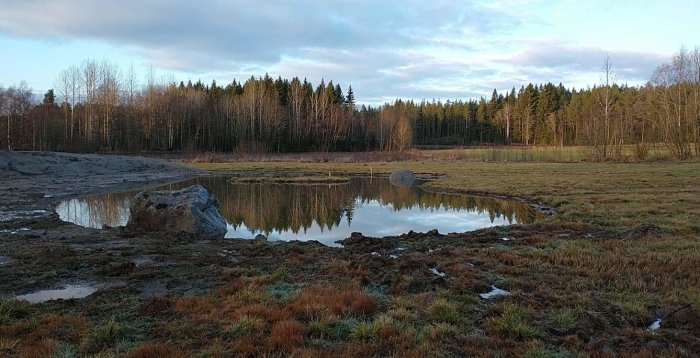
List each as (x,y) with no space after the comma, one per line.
(365,332)
(286,335)
(101,337)
(442,310)
(538,351)
(13,309)
(8,346)
(154,350)
(283,290)
(281,274)
(343,327)
(405,303)
(633,306)
(252,295)
(315,302)
(438,331)
(512,324)
(244,327)
(321,329)
(563,320)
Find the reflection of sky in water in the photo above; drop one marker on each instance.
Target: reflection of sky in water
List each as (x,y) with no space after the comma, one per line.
(373,219)
(370,216)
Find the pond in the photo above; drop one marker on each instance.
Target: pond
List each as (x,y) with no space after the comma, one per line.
(324,212)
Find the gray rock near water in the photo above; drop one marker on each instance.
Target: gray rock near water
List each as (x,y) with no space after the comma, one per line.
(192,210)
(402,178)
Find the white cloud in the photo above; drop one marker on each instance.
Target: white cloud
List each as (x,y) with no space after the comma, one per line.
(389,49)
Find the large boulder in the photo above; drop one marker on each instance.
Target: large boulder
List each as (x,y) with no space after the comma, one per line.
(192,210)
(402,178)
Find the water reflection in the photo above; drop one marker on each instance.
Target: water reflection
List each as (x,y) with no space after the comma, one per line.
(321,212)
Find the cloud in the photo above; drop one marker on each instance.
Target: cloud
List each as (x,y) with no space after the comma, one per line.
(385,49)
(557,55)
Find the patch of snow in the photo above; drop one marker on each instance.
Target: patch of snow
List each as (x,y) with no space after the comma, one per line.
(65,293)
(495,292)
(14,231)
(506,238)
(655,325)
(437,273)
(393,256)
(374,253)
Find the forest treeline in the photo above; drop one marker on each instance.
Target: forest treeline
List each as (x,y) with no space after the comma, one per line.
(98,107)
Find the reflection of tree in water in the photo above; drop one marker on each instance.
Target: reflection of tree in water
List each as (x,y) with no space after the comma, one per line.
(96,211)
(278,207)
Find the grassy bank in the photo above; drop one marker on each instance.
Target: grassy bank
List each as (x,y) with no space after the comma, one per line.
(614,194)
(622,252)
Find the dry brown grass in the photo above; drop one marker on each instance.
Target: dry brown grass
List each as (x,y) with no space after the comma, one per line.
(39,349)
(320,302)
(286,335)
(155,350)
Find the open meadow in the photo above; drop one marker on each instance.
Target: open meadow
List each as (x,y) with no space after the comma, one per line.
(619,256)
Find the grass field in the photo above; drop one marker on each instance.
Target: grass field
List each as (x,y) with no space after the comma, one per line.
(655,152)
(622,251)
(613,194)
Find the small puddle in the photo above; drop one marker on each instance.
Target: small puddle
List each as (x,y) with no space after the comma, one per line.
(655,325)
(495,292)
(325,213)
(65,293)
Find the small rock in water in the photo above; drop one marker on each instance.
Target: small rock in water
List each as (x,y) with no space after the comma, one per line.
(433,232)
(495,292)
(260,237)
(402,178)
(437,273)
(655,325)
(356,234)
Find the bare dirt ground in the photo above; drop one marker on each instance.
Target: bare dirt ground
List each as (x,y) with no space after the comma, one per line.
(32,182)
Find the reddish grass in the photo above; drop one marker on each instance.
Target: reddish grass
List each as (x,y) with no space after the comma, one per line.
(286,335)
(246,347)
(40,349)
(318,301)
(155,350)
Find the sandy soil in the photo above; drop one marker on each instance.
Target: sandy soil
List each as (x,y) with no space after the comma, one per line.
(31,183)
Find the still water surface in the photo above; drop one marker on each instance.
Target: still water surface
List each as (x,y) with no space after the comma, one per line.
(325,213)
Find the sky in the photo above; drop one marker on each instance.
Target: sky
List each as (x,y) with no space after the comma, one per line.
(386,50)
